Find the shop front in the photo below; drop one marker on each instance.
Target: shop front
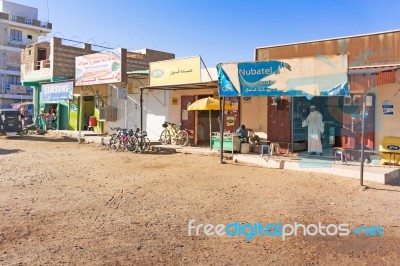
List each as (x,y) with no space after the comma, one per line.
(54,104)
(185,82)
(291,86)
(373,63)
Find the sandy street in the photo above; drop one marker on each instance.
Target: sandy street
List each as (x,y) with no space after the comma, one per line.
(67,203)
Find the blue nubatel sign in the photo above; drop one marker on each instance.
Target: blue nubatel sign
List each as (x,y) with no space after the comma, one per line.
(312,76)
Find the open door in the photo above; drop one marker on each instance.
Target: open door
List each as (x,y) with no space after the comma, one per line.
(187,118)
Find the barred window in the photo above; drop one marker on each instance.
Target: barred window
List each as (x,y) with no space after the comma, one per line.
(15,35)
(14,80)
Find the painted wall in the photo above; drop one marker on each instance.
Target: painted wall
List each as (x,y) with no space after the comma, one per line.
(155,111)
(387,125)
(253,113)
(73,115)
(175,110)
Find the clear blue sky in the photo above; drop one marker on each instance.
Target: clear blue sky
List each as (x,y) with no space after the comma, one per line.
(218,30)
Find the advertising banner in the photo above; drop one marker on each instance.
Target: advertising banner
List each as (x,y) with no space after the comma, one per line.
(57,91)
(177,71)
(309,76)
(18,89)
(101,68)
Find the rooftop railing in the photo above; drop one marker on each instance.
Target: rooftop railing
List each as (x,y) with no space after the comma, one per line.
(27,21)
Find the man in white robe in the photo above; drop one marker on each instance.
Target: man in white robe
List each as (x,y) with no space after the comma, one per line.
(315,129)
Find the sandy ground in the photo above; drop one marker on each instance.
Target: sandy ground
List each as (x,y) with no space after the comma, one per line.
(67,203)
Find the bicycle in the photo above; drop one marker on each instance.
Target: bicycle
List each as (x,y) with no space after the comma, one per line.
(173,134)
(110,139)
(126,140)
(142,141)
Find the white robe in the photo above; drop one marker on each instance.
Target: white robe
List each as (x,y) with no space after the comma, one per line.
(315,129)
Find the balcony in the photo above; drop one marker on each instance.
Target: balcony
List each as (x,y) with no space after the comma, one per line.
(17,45)
(26,21)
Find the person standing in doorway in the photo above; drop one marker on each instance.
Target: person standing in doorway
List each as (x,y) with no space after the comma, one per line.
(315,129)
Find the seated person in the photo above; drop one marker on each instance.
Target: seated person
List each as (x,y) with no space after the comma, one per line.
(243,134)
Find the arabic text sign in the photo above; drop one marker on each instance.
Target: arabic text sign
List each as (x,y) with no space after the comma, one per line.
(101,68)
(310,76)
(57,91)
(177,71)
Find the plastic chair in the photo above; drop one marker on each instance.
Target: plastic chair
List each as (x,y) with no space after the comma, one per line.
(342,154)
(267,147)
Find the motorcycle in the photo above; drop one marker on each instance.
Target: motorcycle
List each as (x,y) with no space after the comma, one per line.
(33,129)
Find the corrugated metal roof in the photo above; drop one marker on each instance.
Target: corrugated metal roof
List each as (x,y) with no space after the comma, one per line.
(371,70)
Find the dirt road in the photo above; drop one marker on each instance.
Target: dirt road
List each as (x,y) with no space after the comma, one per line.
(63,202)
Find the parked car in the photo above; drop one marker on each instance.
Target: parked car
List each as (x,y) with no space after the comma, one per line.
(10,122)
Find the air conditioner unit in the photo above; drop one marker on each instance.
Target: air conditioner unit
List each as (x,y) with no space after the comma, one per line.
(108,114)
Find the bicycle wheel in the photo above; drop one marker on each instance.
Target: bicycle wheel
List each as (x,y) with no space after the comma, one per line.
(165,137)
(120,145)
(142,144)
(104,143)
(133,144)
(147,140)
(113,143)
(183,138)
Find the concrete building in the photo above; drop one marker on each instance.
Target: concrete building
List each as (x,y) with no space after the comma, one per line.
(19,27)
(374,70)
(53,61)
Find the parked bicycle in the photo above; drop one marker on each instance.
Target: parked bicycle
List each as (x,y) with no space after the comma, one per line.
(123,139)
(173,134)
(142,141)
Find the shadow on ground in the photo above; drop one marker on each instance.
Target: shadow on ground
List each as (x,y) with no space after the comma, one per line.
(6,151)
(42,138)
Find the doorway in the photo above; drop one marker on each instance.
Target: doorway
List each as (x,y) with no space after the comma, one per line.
(188,118)
(203,124)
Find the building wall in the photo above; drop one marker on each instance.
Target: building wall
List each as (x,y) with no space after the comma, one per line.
(253,113)
(175,110)
(387,125)
(62,59)
(18,9)
(29,62)
(149,55)
(10,50)
(365,50)
(155,111)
